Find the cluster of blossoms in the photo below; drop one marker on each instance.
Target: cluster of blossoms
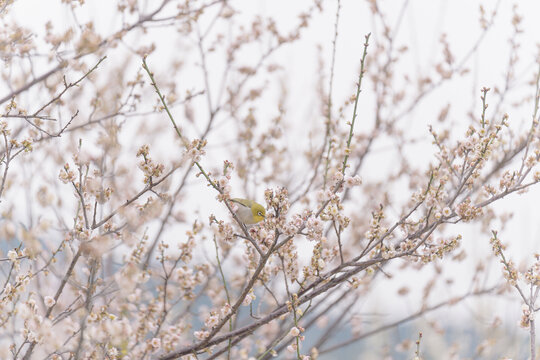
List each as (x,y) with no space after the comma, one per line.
(510,272)
(187,247)
(388,251)
(149,168)
(376,229)
(532,278)
(24,145)
(467,211)
(15,256)
(532,275)
(322,255)
(437,249)
(445,212)
(95,187)
(314,228)
(289,254)
(11,293)
(336,182)
(223,182)
(12,290)
(195,150)
(478,145)
(526,317)
(474,152)
(250,297)
(187,279)
(508,180)
(324,195)
(172,336)
(89,41)
(224,232)
(295,333)
(352,181)
(66,174)
(36,327)
(334,211)
(215,317)
(96,246)
(129,278)
(496,245)
(317,263)
(262,236)
(279,201)
(211,320)
(201,334)
(477,148)
(116,333)
(296,223)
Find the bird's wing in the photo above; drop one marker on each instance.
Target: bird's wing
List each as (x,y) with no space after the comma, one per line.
(243,202)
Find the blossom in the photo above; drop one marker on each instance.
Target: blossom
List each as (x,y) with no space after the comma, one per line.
(25,310)
(351,181)
(226,309)
(49,301)
(212,321)
(156,343)
(12,255)
(249,298)
(447,211)
(201,335)
(223,181)
(294,331)
(323,195)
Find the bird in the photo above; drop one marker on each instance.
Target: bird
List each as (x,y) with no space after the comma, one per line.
(249,212)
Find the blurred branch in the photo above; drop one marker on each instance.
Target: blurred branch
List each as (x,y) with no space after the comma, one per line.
(411,317)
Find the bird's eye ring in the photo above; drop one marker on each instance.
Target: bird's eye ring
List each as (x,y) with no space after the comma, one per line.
(260,213)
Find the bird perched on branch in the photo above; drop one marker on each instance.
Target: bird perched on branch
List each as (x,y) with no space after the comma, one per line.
(249,212)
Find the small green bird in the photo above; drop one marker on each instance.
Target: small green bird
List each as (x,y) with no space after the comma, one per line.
(249,212)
